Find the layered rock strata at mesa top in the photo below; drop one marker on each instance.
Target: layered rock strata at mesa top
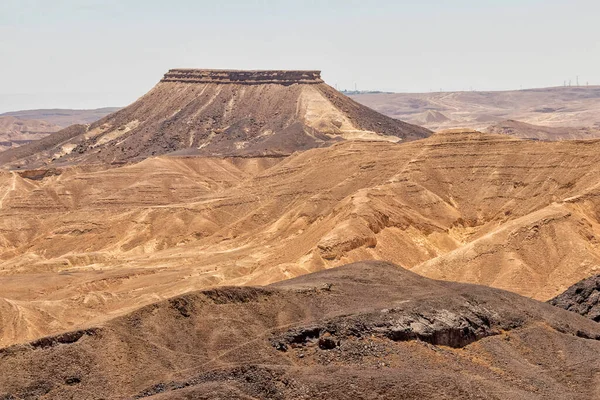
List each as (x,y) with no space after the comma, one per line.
(242,77)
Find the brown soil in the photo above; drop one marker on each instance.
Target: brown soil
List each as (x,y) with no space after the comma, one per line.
(363,331)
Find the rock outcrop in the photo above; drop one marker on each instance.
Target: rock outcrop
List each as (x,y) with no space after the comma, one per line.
(582,298)
(242,77)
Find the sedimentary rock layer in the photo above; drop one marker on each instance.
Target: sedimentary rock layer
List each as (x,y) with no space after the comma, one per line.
(242,77)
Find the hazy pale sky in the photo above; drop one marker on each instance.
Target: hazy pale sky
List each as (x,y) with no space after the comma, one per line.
(95,53)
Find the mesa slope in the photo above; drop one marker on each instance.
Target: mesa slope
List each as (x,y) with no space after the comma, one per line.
(362,331)
(83,243)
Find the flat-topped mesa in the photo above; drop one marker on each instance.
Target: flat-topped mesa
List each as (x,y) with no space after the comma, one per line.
(218,113)
(242,77)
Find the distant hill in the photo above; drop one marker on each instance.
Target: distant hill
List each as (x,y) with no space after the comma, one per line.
(15,131)
(529,131)
(357,92)
(21,127)
(431,117)
(63,117)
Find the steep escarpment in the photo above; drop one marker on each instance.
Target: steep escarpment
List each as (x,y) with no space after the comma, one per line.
(224,113)
(351,332)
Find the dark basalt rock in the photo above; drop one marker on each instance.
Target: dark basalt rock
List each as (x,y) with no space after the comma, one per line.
(582,298)
(439,328)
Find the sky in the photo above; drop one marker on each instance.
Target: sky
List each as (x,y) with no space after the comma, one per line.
(97,53)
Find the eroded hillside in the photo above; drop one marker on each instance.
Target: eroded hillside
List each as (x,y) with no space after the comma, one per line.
(572,107)
(82,244)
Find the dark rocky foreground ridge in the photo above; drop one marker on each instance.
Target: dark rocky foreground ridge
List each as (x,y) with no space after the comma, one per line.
(219,113)
(582,298)
(368,330)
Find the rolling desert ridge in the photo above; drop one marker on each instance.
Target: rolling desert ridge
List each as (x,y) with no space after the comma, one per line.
(364,330)
(193,206)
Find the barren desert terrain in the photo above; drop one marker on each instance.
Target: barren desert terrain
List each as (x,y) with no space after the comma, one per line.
(238,230)
(199,238)
(15,131)
(63,117)
(216,112)
(81,243)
